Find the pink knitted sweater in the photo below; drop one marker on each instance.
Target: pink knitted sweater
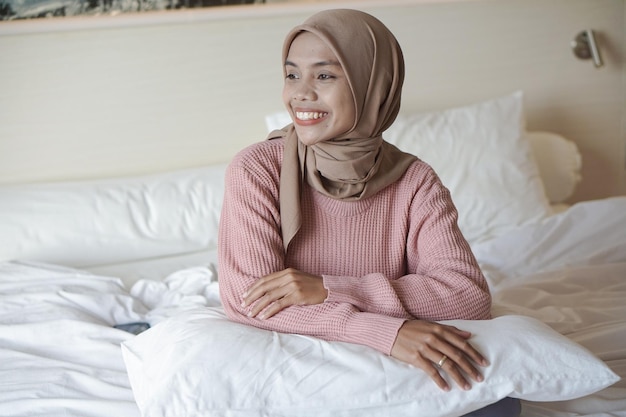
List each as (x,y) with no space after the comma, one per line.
(395,256)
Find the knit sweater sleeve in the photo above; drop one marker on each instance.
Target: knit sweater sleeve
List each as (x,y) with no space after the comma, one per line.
(250,246)
(443,281)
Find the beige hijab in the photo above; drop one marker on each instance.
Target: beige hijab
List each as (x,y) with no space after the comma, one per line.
(359,163)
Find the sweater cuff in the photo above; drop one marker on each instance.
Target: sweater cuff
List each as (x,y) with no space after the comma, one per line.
(373,330)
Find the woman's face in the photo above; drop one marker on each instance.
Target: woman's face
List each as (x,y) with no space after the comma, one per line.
(316,91)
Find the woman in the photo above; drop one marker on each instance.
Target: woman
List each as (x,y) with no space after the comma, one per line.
(327,230)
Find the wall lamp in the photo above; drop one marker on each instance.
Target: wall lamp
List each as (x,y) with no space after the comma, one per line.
(584,47)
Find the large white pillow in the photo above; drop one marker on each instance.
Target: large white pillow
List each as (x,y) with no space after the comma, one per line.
(482,155)
(108,221)
(201,364)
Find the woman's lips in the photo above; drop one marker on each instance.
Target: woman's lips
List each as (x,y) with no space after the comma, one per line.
(309,117)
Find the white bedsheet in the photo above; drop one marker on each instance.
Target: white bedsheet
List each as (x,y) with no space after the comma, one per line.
(60,355)
(569,272)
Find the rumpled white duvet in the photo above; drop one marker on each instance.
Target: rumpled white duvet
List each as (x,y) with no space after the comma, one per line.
(61,356)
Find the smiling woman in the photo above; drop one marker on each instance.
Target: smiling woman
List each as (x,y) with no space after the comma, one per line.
(328,230)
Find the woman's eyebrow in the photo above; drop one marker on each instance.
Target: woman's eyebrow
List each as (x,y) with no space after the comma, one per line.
(332,63)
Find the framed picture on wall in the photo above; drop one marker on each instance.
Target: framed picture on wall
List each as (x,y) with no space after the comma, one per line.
(31,9)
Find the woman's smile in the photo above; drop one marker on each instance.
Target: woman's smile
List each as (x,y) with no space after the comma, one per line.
(309,117)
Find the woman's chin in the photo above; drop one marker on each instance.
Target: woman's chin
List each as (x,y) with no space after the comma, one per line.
(309,138)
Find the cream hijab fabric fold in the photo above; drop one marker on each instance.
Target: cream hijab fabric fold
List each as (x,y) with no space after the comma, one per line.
(359,163)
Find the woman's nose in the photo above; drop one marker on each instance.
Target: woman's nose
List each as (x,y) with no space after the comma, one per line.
(304,91)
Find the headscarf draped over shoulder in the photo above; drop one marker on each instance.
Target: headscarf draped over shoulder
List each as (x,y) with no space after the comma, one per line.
(359,163)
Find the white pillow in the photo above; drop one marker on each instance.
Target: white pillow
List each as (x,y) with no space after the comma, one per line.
(109,221)
(199,363)
(559,162)
(482,155)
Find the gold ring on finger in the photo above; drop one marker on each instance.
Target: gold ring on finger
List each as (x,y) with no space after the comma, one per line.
(443,360)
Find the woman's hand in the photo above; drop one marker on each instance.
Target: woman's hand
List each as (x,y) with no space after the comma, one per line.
(434,347)
(283,289)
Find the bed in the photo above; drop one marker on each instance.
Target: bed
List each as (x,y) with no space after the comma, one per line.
(109,281)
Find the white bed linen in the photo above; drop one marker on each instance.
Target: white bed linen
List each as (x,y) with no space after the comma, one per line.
(59,354)
(156,269)
(569,271)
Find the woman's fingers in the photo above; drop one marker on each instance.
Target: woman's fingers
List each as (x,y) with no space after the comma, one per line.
(260,287)
(438,349)
(282,289)
(462,354)
(452,368)
(268,299)
(273,308)
(265,292)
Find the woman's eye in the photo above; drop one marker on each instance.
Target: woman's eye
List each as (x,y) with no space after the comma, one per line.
(291,76)
(325,76)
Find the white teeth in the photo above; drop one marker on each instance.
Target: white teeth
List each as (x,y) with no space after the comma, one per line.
(309,115)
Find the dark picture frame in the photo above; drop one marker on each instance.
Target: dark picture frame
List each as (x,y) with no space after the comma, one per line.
(34,9)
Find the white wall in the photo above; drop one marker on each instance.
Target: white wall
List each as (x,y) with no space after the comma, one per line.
(93,97)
